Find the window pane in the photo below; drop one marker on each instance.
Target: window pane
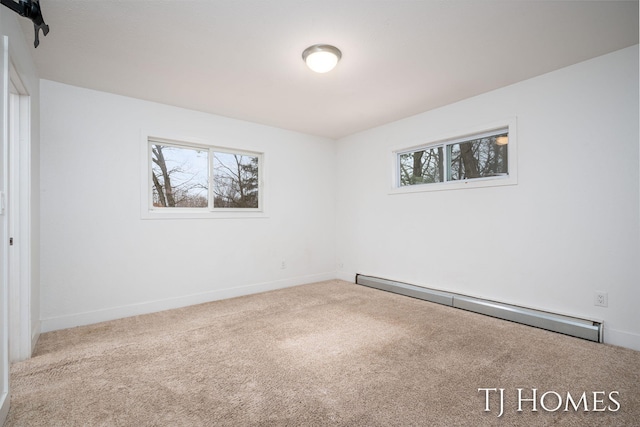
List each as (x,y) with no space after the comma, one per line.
(180,177)
(421,167)
(235,181)
(478,158)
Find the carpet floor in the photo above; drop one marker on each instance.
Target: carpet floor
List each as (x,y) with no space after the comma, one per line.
(329,353)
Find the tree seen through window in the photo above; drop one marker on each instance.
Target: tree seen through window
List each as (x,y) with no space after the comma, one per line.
(181,178)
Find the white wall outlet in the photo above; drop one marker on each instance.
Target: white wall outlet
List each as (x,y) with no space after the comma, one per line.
(601,299)
(283,264)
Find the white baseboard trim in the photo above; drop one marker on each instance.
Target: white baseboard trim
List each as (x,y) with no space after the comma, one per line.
(89,318)
(621,338)
(4,406)
(346,276)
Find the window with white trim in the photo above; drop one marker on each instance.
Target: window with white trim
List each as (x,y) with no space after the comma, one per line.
(193,178)
(479,159)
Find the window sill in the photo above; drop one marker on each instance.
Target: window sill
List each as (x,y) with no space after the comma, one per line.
(456,185)
(199,214)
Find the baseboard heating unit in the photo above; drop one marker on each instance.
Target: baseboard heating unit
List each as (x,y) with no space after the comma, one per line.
(581,328)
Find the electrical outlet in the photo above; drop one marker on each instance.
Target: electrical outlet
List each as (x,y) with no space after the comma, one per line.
(601,299)
(283,265)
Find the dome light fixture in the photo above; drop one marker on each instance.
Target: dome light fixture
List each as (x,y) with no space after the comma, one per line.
(321,58)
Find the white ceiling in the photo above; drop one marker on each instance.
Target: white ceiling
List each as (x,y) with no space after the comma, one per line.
(242,59)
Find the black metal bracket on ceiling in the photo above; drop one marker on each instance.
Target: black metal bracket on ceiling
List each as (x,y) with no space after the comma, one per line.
(29,9)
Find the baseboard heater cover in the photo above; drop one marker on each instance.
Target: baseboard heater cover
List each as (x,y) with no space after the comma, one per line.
(581,328)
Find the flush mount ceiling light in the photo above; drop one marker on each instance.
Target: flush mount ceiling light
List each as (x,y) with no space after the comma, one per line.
(321,57)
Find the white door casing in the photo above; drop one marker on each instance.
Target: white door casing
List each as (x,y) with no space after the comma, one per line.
(4,241)
(18,211)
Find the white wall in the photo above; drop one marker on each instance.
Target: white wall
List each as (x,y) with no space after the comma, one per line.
(101,261)
(568,228)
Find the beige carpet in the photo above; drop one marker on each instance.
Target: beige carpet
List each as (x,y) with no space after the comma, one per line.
(330,353)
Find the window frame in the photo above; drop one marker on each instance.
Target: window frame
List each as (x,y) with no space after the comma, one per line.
(451,138)
(149,211)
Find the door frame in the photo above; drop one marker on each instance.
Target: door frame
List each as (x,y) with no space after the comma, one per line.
(19,218)
(5,399)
